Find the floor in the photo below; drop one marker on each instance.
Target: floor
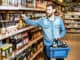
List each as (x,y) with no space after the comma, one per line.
(75,50)
(74,53)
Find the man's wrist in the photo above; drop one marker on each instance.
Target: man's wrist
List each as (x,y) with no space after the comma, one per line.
(23,16)
(57,38)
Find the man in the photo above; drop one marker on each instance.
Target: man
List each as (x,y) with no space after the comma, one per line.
(52,27)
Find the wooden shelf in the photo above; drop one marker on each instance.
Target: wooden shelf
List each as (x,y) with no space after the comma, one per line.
(17,52)
(73,27)
(72,19)
(16,32)
(72,22)
(40,50)
(73,32)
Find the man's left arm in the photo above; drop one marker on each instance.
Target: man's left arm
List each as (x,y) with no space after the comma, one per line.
(62,28)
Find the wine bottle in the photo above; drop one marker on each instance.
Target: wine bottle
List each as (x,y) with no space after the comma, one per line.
(13,41)
(3,28)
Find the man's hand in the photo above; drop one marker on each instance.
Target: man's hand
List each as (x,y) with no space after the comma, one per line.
(22,16)
(58,38)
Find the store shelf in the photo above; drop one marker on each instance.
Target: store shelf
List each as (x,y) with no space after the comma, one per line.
(72,19)
(72,22)
(33,9)
(16,53)
(19,8)
(16,32)
(73,27)
(9,8)
(73,32)
(40,50)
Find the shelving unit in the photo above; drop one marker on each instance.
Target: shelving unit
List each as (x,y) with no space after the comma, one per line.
(23,37)
(72,22)
(40,50)
(14,33)
(17,52)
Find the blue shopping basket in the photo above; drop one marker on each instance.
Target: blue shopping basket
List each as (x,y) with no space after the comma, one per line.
(57,52)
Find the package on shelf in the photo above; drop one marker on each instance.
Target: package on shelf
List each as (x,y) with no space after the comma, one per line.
(3,31)
(6,51)
(11,28)
(19,40)
(30,3)
(20,24)
(41,4)
(26,40)
(18,3)
(19,45)
(4,2)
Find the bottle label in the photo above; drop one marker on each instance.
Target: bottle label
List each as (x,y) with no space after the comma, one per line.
(3,53)
(10,50)
(7,51)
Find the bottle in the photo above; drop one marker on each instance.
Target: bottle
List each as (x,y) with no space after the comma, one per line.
(38,4)
(54,44)
(3,28)
(10,49)
(20,24)
(23,3)
(65,45)
(60,44)
(5,51)
(13,41)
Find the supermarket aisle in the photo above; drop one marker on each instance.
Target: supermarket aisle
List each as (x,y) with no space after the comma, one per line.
(75,48)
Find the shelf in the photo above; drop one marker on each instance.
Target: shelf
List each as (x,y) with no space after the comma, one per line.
(40,50)
(74,32)
(73,27)
(19,8)
(16,53)
(16,32)
(72,19)
(72,22)
(9,8)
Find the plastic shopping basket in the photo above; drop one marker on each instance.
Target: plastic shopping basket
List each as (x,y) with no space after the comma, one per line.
(57,52)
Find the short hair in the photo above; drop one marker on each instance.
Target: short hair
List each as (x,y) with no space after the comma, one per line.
(52,4)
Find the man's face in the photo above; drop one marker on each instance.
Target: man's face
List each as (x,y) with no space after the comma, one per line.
(49,11)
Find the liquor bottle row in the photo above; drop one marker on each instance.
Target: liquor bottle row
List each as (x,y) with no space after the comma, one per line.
(18,41)
(6,51)
(30,52)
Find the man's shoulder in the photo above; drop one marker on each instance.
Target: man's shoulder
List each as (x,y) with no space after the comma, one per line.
(58,17)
